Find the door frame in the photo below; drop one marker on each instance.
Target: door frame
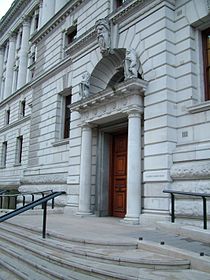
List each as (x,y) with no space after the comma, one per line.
(102,198)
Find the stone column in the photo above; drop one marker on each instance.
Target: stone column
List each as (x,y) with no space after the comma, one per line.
(59,4)
(134,168)
(1,70)
(85,171)
(48,10)
(23,60)
(9,67)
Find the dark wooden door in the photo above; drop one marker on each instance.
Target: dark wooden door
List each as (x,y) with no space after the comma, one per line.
(119,175)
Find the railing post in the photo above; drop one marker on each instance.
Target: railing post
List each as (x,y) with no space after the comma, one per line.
(204,213)
(172,208)
(44,218)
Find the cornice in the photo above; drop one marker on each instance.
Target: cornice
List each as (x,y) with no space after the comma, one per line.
(56,20)
(11,21)
(15,123)
(127,87)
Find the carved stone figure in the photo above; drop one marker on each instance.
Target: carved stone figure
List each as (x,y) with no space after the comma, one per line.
(103,34)
(85,85)
(130,64)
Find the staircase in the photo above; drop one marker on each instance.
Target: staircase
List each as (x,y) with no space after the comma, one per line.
(25,255)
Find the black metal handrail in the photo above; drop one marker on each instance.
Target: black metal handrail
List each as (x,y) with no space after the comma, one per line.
(6,194)
(202,195)
(31,205)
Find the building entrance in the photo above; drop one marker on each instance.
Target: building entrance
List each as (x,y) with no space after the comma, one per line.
(118,175)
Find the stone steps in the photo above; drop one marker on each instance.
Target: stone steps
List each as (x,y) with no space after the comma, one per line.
(106,253)
(28,256)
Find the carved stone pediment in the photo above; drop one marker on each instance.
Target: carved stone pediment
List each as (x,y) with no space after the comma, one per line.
(112,103)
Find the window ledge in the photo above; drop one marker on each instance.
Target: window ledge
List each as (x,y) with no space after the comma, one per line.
(17,164)
(2,167)
(204,106)
(61,142)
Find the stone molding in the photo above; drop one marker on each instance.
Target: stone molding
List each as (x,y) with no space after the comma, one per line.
(130,86)
(196,170)
(57,19)
(44,179)
(112,103)
(8,20)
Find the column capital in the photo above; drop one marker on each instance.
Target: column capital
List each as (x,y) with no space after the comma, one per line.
(12,37)
(87,126)
(26,21)
(1,50)
(134,113)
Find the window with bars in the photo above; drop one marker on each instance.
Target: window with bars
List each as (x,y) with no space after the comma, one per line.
(206,61)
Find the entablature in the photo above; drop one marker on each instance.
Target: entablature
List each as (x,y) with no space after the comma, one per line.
(112,102)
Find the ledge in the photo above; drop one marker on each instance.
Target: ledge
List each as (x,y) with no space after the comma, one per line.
(15,123)
(204,106)
(60,142)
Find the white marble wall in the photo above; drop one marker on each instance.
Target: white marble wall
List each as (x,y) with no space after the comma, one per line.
(166,37)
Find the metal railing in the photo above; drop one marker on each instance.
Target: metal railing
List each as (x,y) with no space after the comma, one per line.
(7,197)
(204,197)
(41,201)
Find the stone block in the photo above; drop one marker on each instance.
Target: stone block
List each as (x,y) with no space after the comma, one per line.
(157,163)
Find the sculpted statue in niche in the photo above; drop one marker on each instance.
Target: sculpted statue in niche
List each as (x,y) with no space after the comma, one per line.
(131,64)
(103,35)
(85,85)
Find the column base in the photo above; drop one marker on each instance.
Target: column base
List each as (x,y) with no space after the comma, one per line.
(84,213)
(131,220)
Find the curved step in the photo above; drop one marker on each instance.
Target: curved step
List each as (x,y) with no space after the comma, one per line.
(124,257)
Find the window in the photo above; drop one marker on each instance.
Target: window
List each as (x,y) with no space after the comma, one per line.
(36,21)
(67,116)
(4,154)
(71,34)
(119,3)
(19,150)
(7,117)
(22,108)
(206,57)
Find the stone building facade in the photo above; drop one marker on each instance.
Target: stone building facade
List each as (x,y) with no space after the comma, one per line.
(108,100)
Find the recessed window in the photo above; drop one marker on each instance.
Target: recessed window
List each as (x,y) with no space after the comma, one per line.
(19,149)
(36,21)
(119,3)
(206,62)
(22,108)
(67,115)
(71,34)
(7,116)
(4,154)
